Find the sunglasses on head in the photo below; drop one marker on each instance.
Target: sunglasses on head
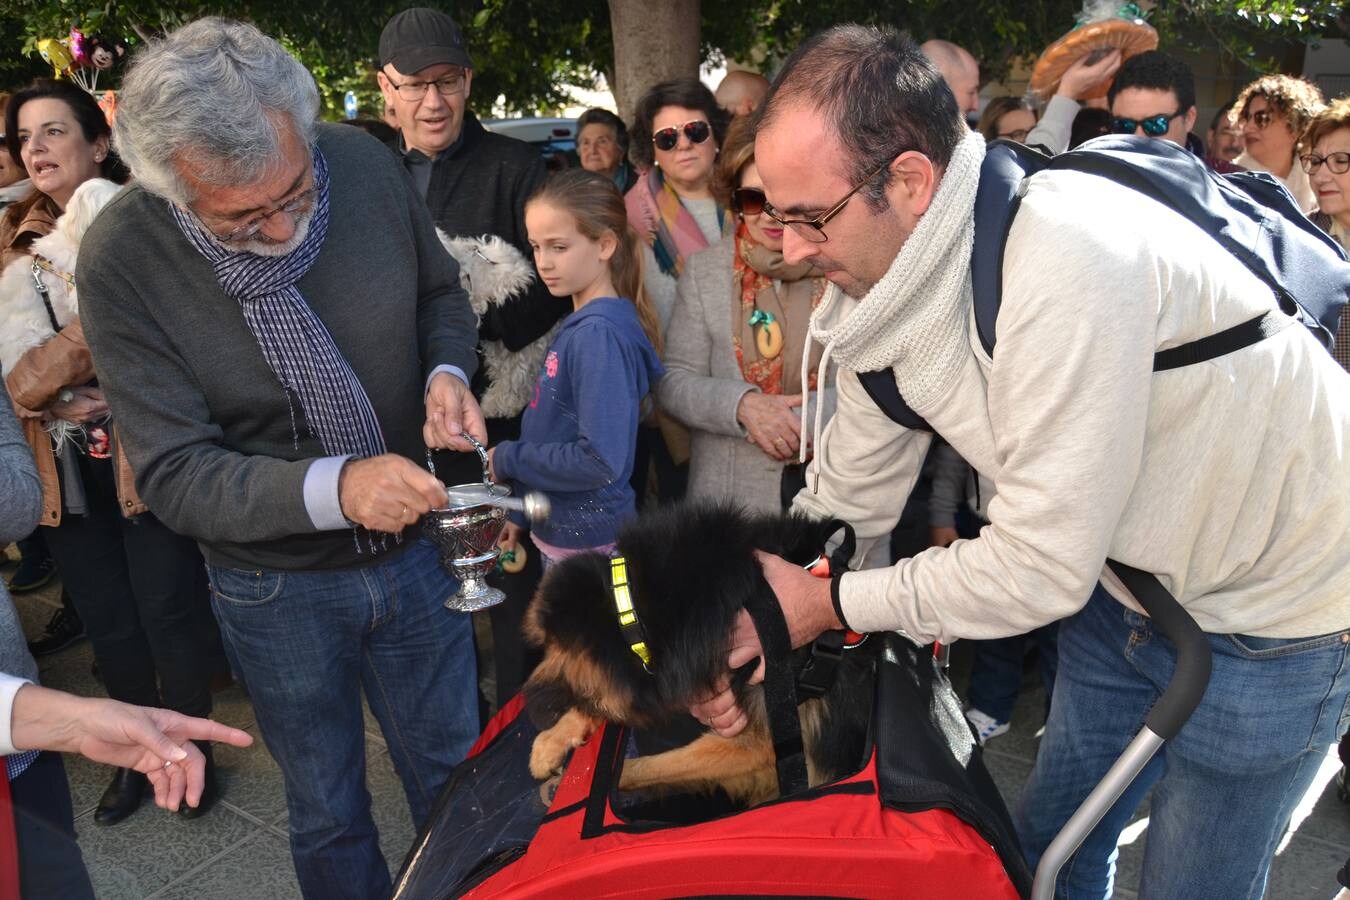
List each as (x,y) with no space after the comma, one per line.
(747,201)
(697,131)
(1154,126)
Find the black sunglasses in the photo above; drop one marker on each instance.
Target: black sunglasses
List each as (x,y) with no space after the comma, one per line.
(747,201)
(1154,126)
(697,131)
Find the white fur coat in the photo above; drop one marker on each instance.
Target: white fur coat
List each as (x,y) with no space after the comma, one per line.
(493,272)
(24,322)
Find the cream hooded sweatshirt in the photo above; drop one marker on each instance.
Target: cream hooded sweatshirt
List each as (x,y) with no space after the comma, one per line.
(1229,479)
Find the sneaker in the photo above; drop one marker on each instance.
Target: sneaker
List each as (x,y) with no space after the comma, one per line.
(32,574)
(985,726)
(63,629)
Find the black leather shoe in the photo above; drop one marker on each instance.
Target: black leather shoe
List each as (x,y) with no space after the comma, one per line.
(122,798)
(209,793)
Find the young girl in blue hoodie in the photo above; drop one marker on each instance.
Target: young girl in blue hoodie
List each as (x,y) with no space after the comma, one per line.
(577,435)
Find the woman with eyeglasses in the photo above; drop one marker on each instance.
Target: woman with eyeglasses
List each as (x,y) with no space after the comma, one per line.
(734,348)
(1326,160)
(1009,118)
(139,588)
(1272,112)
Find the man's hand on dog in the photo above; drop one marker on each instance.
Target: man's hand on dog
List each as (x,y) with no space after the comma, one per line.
(805,600)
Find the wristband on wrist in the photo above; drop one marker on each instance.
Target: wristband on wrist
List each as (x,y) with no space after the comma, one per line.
(834,599)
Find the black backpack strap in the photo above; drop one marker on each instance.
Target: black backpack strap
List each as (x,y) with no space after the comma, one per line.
(780,693)
(1003,176)
(1215,345)
(881,387)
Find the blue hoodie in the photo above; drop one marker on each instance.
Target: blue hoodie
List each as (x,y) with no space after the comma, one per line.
(578,434)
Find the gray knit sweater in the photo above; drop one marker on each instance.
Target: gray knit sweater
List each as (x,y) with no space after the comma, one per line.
(205,423)
(20,507)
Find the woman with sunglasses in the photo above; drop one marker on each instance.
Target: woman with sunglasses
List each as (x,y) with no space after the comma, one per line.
(1326,160)
(1273,111)
(139,588)
(677,129)
(733,351)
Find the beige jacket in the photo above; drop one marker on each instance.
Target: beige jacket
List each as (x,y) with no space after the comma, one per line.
(703,386)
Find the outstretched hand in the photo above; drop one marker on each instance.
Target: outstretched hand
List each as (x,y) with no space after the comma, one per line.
(155,742)
(1081,78)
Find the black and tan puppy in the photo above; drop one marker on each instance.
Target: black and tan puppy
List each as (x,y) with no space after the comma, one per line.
(689,570)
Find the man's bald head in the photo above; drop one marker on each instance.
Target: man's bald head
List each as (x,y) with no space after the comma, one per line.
(959,69)
(741,92)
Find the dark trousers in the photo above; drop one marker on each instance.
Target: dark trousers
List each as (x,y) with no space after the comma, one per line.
(50,864)
(34,546)
(141,591)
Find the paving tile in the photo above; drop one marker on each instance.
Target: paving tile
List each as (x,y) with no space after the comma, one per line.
(250,780)
(142,854)
(1306,870)
(389,806)
(259,868)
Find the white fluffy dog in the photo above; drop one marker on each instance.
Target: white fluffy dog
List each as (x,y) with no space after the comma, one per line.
(24,321)
(493,272)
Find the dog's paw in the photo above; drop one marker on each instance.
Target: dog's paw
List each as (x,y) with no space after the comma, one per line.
(548,789)
(548,755)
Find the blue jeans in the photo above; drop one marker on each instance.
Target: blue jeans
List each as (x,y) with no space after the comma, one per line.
(1224,789)
(305,644)
(996,673)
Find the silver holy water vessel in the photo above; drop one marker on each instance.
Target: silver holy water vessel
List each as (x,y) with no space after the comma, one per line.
(468,529)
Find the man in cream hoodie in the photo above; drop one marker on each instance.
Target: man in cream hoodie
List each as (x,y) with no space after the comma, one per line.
(1229,479)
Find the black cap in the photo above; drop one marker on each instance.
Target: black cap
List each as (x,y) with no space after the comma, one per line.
(421,37)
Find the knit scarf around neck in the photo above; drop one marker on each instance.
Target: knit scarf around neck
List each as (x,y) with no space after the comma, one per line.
(297,346)
(914,320)
(675,235)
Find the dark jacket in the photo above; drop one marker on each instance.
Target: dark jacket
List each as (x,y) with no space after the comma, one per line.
(479,186)
(577,435)
(209,429)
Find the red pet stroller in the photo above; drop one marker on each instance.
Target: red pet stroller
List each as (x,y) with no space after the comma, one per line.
(921,818)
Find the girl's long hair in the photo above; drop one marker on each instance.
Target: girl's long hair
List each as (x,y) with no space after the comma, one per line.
(596,204)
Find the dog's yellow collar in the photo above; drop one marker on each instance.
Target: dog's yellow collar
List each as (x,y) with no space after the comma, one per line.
(629,625)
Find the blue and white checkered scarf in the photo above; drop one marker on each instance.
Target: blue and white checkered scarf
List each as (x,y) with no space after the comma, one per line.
(294,341)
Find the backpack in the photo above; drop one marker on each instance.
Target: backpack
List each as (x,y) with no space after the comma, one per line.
(1250,214)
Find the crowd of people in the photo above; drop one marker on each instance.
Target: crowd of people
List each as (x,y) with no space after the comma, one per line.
(277,360)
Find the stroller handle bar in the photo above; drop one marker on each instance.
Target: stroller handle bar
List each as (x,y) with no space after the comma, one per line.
(1191,676)
(1164,720)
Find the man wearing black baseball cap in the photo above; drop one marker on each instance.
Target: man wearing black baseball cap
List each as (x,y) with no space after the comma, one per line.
(475,182)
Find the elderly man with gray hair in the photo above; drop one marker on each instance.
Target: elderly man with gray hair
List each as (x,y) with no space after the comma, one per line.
(281,335)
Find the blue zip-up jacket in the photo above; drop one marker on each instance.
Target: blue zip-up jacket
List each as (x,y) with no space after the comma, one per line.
(577,436)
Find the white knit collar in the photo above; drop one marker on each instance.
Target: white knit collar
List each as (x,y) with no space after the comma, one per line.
(916,318)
